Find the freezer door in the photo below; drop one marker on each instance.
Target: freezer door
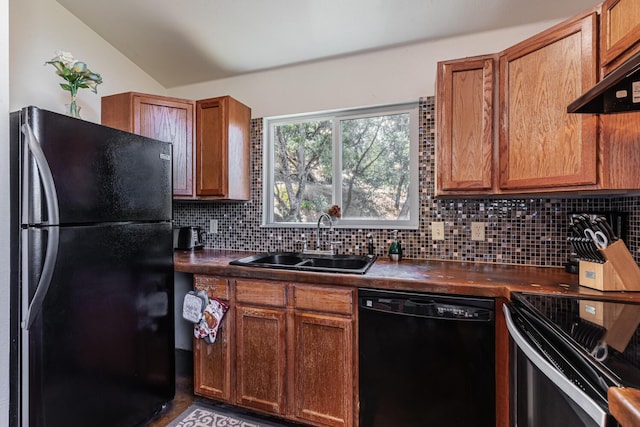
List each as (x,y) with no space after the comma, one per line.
(100,174)
(101,350)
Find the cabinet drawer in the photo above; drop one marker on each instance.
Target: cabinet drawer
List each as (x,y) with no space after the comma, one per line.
(261,293)
(217,287)
(326,300)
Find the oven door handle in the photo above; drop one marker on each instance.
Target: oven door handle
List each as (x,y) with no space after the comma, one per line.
(578,396)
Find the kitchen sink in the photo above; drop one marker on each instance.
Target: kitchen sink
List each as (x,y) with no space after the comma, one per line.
(355,264)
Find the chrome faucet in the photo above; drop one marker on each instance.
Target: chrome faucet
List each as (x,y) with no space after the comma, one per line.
(323,216)
(318,249)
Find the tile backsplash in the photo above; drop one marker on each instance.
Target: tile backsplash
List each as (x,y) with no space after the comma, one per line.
(528,231)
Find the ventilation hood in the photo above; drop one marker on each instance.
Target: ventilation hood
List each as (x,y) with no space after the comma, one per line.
(618,92)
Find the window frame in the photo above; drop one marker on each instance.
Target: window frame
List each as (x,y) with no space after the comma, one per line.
(337,116)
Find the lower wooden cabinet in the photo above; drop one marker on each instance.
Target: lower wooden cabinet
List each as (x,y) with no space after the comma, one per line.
(261,355)
(286,349)
(212,369)
(323,369)
(212,362)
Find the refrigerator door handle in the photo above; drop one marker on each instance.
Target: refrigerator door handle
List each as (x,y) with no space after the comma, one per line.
(53,231)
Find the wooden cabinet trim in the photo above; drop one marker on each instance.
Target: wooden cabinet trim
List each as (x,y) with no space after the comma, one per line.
(503,363)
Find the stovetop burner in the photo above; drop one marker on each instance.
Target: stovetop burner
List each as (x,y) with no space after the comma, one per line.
(607,332)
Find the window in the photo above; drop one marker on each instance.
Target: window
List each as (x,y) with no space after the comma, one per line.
(365,161)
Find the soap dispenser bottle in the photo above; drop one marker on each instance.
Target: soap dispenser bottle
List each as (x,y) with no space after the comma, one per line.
(370,248)
(395,250)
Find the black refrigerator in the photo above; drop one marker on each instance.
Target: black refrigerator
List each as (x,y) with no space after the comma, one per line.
(92,322)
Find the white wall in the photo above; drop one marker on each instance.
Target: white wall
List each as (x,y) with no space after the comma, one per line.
(4,212)
(40,27)
(400,74)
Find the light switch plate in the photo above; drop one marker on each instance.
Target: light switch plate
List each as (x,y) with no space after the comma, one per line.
(213,226)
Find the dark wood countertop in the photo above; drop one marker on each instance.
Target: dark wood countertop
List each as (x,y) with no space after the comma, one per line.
(491,280)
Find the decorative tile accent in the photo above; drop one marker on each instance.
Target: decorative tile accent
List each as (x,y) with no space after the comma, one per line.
(528,231)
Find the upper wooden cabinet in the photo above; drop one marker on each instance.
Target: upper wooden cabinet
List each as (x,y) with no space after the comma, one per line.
(213,166)
(223,149)
(620,32)
(465,117)
(162,118)
(541,146)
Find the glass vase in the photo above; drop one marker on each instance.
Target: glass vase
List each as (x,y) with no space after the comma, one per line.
(73,109)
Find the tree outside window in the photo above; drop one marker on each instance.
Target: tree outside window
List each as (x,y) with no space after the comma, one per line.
(359,160)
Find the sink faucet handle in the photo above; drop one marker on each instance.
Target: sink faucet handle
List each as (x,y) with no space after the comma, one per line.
(304,244)
(332,245)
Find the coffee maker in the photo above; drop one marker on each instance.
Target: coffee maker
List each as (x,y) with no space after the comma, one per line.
(188,238)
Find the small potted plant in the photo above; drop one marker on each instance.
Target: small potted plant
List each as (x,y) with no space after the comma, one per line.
(334,212)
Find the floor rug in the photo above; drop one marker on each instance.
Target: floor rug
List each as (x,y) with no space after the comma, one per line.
(202,415)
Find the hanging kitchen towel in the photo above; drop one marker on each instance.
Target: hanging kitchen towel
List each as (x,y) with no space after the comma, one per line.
(208,326)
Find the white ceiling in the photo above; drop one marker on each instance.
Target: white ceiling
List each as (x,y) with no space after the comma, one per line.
(181,42)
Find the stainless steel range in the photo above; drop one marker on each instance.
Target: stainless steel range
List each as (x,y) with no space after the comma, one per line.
(566,353)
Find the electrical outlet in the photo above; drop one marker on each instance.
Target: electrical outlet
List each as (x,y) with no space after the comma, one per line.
(477,231)
(213,226)
(437,230)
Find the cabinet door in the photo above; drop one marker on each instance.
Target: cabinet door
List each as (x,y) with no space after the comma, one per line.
(223,149)
(172,121)
(162,118)
(212,161)
(213,362)
(324,369)
(541,146)
(261,358)
(464,116)
(620,31)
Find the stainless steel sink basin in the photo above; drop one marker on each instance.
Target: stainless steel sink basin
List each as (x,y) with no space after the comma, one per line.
(356,264)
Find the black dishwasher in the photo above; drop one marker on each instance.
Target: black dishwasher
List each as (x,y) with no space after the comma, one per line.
(426,359)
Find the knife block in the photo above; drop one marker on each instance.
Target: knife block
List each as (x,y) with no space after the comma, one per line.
(619,273)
